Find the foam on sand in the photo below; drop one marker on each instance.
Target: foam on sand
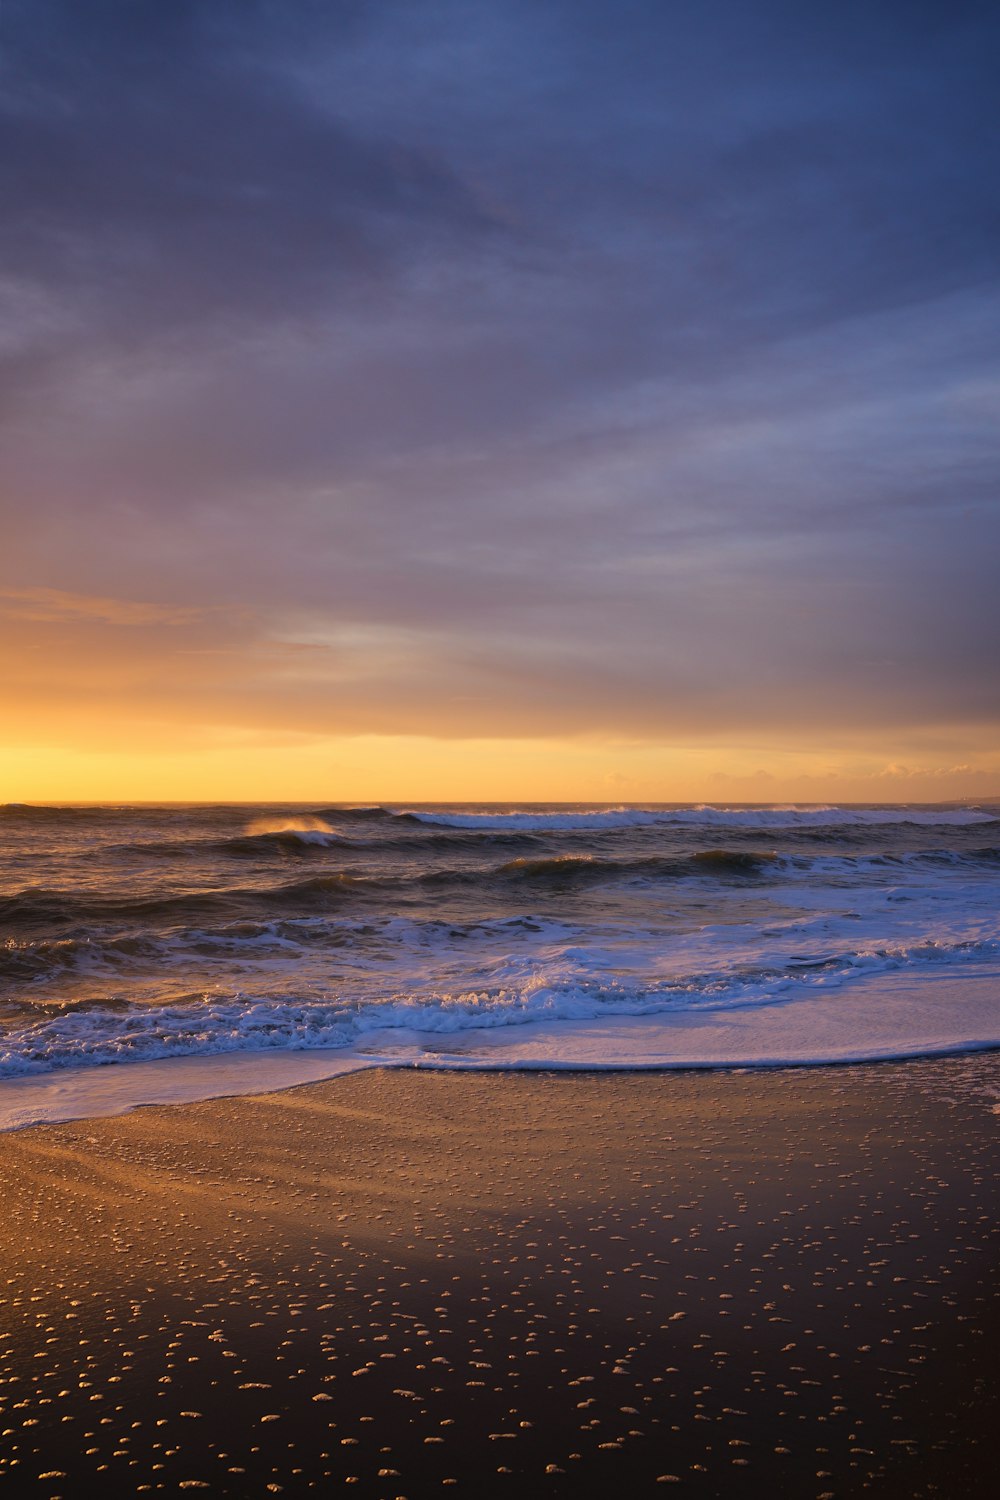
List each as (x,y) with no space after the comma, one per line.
(93,1093)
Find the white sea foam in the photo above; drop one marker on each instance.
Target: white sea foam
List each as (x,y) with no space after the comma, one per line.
(557,984)
(912,1016)
(707,817)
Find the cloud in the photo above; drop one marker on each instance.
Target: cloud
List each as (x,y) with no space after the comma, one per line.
(502,370)
(48,606)
(893,772)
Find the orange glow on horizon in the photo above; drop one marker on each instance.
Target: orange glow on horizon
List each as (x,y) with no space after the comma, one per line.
(395,769)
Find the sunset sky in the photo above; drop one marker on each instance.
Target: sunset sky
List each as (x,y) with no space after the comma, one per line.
(575,399)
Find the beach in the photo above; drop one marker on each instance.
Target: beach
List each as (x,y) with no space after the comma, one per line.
(718,1283)
(500,751)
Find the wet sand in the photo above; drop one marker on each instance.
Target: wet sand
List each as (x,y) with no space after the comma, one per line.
(709,1284)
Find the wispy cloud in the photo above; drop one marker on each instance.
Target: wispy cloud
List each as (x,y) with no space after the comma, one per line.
(49,606)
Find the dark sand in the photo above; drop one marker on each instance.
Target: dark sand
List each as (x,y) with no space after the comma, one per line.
(565,1285)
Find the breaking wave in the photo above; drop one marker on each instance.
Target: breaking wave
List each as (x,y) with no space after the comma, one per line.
(101,1031)
(708,817)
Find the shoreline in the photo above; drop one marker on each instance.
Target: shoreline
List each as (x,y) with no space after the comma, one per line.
(909,1018)
(717,1281)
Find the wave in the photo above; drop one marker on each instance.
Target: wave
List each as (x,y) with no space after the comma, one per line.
(868,870)
(292,835)
(27,961)
(37,906)
(375,814)
(305,842)
(527,819)
(563,868)
(305,835)
(706,817)
(292,939)
(54,1036)
(306,830)
(40,908)
(239,846)
(29,812)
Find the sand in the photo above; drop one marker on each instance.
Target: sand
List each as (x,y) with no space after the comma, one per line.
(710,1284)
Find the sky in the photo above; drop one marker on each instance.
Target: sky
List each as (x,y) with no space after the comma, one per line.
(456,399)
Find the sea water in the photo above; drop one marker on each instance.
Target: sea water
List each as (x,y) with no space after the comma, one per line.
(152,953)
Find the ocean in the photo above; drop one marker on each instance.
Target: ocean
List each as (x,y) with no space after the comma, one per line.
(472,936)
